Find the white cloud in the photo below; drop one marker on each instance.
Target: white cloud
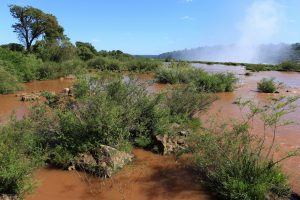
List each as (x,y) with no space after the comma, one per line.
(188,1)
(186,18)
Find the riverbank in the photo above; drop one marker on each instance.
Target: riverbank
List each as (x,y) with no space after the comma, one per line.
(288,139)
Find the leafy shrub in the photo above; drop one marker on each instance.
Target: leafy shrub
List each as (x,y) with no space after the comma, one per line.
(102,63)
(53,70)
(186,101)
(8,82)
(85,51)
(19,156)
(74,67)
(181,72)
(267,85)
(108,112)
(48,70)
(55,50)
(289,66)
(236,163)
(19,64)
(13,47)
(142,65)
(220,82)
(260,67)
(177,72)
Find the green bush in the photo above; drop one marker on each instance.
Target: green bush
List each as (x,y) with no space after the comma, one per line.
(103,63)
(142,65)
(289,66)
(181,72)
(53,70)
(267,85)
(260,67)
(220,82)
(22,65)
(238,164)
(19,156)
(107,112)
(8,82)
(48,70)
(55,51)
(177,72)
(185,101)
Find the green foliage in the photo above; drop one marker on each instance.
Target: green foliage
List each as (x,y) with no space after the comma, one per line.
(284,66)
(177,72)
(51,98)
(185,101)
(53,70)
(107,112)
(103,63)
(219,82)
(19,64)
(19,156)
(55,50)
(267,85)
(238,164)
(289,66)
(181,72)
(142,65)
(13,47)
(86,51)
(33,23)
(260,67)
(8,82)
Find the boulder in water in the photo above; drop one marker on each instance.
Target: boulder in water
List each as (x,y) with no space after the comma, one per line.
(103,161)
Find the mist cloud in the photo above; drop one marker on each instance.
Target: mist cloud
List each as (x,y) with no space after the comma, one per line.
(261,23)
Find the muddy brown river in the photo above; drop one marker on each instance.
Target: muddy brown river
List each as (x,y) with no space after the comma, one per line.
(153,176)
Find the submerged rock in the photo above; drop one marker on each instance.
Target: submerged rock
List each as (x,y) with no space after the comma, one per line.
(103,161)
(29,97)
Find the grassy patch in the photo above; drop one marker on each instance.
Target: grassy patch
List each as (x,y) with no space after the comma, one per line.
(181,72)
(267,85)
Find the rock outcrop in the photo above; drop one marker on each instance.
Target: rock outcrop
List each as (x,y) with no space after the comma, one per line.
(172,143)
(8,197)
(103,161)
(30,97)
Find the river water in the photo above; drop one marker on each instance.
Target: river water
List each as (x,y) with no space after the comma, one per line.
(153,176)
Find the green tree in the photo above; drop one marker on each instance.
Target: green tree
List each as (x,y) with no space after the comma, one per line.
(55,50)
(86,51)
(13,47)
(33,23)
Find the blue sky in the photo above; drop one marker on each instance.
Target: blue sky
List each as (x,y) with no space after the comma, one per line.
(155,26)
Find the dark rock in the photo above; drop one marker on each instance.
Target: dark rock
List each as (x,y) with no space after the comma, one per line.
(277,92)
(295,196)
